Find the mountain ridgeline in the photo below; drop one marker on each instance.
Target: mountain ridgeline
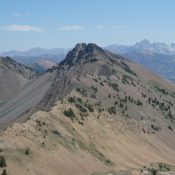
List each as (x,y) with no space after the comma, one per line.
(13,77)
(98,111)
(24,71)
(80,61)
(38,59)
(157,57)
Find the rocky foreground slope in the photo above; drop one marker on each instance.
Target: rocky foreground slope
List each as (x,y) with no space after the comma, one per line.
(101,114)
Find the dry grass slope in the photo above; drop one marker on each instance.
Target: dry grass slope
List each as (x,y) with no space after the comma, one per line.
(101,115)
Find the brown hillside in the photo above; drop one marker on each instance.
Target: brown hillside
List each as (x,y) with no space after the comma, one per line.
(102,113)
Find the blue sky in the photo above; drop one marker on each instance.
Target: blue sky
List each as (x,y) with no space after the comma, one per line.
(25,24)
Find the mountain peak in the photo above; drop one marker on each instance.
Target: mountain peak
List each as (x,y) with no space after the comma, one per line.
(145,46)
(88,47)
(143,43)
(83,52)
(80,46)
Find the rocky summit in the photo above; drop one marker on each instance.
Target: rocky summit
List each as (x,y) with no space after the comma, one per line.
(96,113)
(84,52)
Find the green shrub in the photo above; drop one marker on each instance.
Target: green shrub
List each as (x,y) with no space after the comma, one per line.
(116,102)
(170,128)
(112,110)
(121,105)
(108,161)
(94,89)
(154,171)
(2,161)
(115,87)
(81,108)
(90,108)
(161,90)
(71,99)
(95,79)
(4,172)
(69,113)
(100,110)
(125,79)
(101,83)
(170,115)
(27,151)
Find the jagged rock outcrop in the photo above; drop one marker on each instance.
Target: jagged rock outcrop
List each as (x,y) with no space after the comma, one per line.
(83,53)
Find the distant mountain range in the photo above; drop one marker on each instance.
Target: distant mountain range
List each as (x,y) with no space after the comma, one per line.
(144,46)
(158,57)
(36,56)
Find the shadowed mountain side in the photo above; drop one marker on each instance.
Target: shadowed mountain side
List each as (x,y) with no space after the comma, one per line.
(13,76)
(29,96)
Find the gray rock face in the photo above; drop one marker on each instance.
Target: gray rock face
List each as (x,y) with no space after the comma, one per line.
(84,52)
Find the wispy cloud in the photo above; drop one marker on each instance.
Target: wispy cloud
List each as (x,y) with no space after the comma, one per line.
(99,27)
(71,28)
(21,28)
(21,14)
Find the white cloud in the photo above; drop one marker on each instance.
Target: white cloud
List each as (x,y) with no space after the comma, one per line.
(99,27)
(21,14)
(71,28)
(20,28)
